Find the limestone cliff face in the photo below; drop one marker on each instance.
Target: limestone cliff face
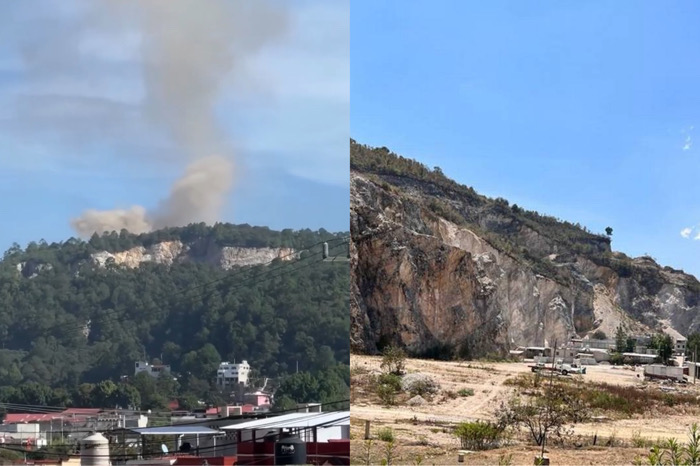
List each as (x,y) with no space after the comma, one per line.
(489,279)
(170,252)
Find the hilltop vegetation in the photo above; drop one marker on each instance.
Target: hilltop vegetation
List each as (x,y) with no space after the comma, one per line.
(462,205)
(69,333)
(388,167)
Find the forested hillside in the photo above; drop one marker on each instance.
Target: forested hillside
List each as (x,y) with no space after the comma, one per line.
(71,330)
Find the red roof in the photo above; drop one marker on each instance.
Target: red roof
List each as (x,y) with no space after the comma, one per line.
(83,411)
(69,415)
(16,418)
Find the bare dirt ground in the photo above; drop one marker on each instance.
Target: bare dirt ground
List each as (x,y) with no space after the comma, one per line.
(424,433)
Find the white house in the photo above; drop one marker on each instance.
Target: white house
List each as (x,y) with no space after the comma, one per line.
(154,370)
(230,375)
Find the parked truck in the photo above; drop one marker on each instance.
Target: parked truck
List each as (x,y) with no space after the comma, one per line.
(661,372)
(559,367)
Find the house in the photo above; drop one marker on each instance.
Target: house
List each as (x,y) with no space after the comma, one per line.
(154,370)
(73,423)
(258,398)
(229,375)
(680,345)
(533,351)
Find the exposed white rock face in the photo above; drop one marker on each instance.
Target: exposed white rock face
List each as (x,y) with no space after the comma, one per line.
(32,269)
(170,252)
(241,257)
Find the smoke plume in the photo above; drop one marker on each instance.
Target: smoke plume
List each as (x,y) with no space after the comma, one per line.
(189,50)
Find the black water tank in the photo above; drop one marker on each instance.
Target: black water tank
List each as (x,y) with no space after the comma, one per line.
(290,449)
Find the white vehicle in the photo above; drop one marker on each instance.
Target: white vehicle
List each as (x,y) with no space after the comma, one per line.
(559,366)
(574,368)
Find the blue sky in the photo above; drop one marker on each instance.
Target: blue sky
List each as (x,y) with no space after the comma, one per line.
(74,135)
(588,111)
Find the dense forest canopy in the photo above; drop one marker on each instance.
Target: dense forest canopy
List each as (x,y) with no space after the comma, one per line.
(71,331)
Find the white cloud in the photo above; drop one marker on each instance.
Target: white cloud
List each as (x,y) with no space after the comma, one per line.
(685,232)
(688,137)
(688,143)
(697,237)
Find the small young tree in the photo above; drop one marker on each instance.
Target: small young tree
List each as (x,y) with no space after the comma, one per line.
(544,415)
(608,231)
(620,340)
(393,360)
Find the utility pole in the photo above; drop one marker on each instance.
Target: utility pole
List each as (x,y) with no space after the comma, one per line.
(695,363)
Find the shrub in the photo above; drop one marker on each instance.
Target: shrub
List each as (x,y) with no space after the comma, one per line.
(394,360)
(466,392)
(478,435)
(392,380)
(386,394)
(617,359)
(640,442)
(419,384)
(385,434)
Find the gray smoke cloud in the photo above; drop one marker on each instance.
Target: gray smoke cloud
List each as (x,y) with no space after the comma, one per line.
(189,49)
(198,195)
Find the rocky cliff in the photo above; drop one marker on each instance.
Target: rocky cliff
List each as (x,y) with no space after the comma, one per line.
(170,252)
(446,272)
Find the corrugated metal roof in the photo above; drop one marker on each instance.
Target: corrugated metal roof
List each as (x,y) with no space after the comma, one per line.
(295,421)
(176,430)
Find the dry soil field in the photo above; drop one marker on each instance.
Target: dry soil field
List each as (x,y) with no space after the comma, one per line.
(423,434)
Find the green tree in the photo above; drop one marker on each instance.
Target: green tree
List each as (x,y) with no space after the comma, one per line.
(393,360)
(664,344)
(620,340)
(608,231)
(301,387)
(693,344)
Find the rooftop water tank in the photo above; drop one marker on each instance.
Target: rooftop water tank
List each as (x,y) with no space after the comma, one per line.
(94,451)
(290,449)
